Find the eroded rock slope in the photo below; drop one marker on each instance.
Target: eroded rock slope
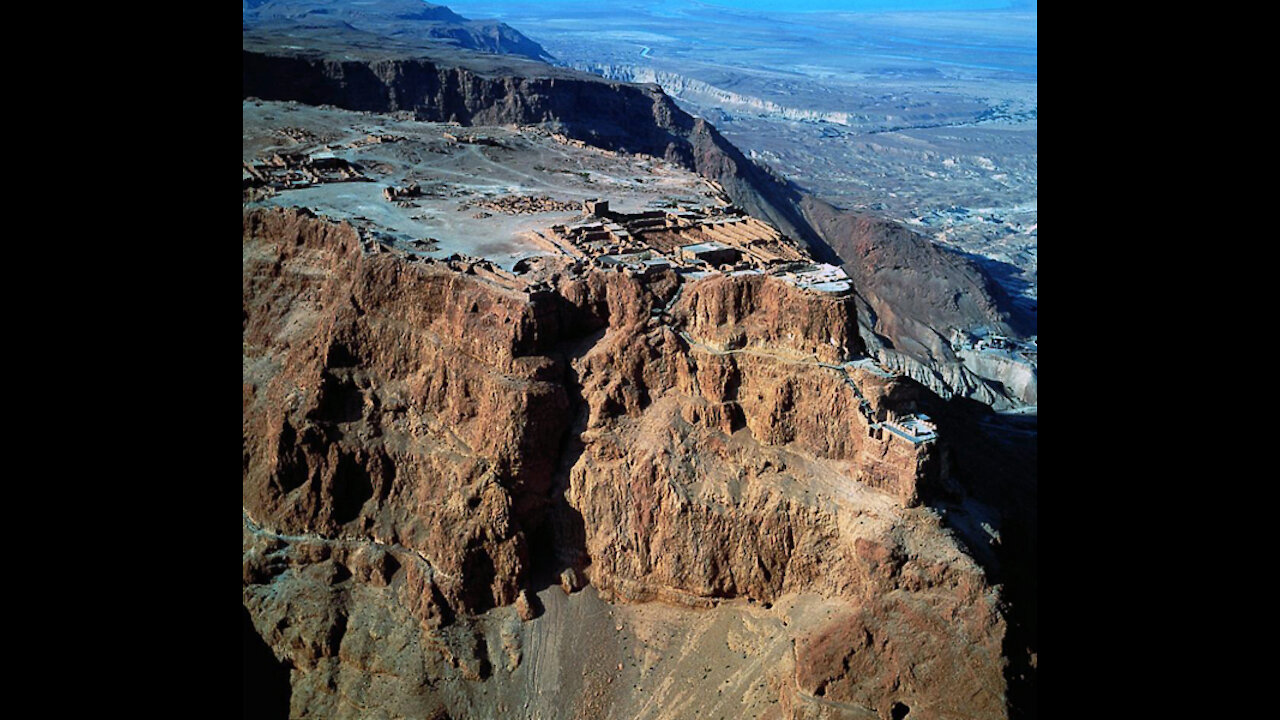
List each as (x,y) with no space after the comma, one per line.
(430,448)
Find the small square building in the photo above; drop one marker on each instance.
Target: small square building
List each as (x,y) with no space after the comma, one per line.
(711,253)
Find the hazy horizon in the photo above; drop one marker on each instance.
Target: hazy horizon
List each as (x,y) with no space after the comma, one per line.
(497,8)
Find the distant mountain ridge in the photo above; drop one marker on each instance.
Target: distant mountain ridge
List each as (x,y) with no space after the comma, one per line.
(410,22)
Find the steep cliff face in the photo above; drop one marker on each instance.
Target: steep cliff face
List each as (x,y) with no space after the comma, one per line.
(375,388)
(688,88)
(730,312)
(687,444)
(616,116)
(427,444)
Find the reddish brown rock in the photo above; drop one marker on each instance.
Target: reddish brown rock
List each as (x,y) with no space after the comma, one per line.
(926,651)
(570,581)
(392,400)
(422,442)
(526,606)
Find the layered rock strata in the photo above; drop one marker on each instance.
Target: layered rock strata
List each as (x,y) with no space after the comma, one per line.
(428,444)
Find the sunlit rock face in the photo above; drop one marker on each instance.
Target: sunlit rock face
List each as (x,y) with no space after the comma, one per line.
(431,453)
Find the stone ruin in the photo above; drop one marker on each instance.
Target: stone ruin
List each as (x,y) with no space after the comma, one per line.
(289,170)
(394,193)
(700,239)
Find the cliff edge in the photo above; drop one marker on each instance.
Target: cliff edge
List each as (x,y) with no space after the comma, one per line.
(434,450)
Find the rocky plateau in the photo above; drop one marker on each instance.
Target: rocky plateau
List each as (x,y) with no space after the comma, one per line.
(562,490)
(428,450)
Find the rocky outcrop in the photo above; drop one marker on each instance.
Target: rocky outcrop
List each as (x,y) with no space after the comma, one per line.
(426,443)
(765,312)
(375,388)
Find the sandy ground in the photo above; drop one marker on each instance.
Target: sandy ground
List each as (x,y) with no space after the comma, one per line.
(648,661)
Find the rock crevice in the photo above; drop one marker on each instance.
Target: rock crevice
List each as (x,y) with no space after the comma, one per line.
(573,433)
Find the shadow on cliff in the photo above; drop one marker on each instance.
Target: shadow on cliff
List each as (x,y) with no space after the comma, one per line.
(558,538)
(1008,286)
(559,543)
(266,688)
(984,488)
(995,463)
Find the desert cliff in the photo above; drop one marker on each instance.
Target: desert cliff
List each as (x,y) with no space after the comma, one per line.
(906,322)
(444,463)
